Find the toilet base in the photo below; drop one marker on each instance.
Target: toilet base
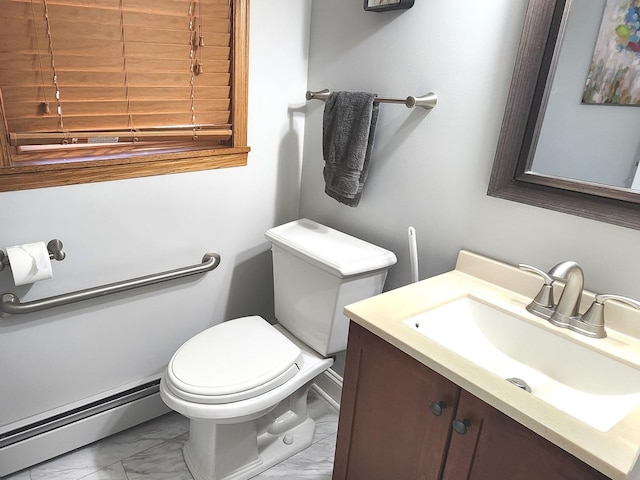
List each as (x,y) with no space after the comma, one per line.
(218,451)
(274,450)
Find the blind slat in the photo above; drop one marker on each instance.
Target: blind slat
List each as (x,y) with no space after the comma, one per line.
(26,63)
(23,109)
(114,64)
(17,139)
(12,46)
(210,8)
(25,94)
(15,35)
(135,79)
(114,122)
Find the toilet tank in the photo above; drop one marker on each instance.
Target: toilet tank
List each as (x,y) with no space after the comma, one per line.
(316,272)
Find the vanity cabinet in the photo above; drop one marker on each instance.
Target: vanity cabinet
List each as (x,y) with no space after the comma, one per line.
(400,420)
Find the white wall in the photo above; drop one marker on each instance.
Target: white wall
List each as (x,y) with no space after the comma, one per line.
(432,170)
(118,230)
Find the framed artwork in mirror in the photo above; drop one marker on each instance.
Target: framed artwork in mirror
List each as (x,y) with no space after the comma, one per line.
(614,75)
(385,5)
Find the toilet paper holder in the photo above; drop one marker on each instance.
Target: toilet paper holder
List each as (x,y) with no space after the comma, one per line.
(54,247)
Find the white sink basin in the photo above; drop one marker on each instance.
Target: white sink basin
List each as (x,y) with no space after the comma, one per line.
(596,389)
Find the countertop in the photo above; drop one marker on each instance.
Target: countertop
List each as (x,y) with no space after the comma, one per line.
(614,452)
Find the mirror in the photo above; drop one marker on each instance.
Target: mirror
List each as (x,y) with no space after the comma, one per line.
(519,172)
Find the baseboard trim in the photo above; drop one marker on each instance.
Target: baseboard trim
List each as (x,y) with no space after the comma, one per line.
(37,449)
(31,451)
(329,386)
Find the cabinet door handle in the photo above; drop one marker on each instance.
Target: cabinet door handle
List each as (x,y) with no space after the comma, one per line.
(461,426)
(437,407)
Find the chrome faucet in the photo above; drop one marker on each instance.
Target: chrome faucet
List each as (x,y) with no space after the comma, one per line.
(566,312)
(568,306)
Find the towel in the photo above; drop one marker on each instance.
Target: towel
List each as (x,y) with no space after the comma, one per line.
(348,127)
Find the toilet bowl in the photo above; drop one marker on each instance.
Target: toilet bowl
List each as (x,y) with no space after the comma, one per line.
(247,447)
(243,383)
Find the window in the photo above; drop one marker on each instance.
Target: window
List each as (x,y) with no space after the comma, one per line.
(94,90)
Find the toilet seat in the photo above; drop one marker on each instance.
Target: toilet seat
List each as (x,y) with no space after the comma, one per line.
(233,361)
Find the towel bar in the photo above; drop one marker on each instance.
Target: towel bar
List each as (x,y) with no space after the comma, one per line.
(428,100)
(10,304)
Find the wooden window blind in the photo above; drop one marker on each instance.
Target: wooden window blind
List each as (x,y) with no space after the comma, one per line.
(106,83)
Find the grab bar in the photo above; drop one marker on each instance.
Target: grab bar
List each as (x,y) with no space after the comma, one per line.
(10,304)
(428,100)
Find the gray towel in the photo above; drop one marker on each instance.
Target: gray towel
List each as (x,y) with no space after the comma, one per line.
(348,129)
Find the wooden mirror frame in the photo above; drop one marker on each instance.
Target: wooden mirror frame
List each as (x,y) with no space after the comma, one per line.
(542,33)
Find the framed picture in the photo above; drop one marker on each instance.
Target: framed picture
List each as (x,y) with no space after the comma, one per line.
(384,5)
(614,75)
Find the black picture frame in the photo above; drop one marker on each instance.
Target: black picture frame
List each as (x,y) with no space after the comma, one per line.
(386,5)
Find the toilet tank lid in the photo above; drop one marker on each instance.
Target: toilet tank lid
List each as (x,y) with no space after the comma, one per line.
(334,251)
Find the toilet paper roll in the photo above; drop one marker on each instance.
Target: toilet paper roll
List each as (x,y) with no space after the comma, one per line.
(29,263)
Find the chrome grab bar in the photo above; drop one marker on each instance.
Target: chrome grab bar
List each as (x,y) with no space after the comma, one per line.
(10,304)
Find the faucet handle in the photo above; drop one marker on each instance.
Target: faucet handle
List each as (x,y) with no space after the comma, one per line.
(544,298)
(548,279)
(603,297)
(594,316)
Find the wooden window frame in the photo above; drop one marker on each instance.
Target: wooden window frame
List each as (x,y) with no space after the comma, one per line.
(59,172)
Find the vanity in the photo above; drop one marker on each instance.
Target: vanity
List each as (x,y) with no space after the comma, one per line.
(426,392)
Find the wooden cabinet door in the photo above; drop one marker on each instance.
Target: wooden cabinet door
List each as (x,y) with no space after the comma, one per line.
(386,429)
(497,447)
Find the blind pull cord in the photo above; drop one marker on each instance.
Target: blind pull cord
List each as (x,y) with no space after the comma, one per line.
(53,67)
(134,138)
(44,106)
(193,44)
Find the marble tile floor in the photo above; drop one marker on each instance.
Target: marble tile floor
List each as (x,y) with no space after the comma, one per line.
(153,451)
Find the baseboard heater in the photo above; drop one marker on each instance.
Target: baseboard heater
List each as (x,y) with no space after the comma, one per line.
(39,441)
(34,443)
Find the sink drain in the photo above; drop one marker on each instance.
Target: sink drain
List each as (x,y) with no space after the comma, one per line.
(518,382)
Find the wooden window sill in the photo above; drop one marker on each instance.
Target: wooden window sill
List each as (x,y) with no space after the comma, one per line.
(25,177)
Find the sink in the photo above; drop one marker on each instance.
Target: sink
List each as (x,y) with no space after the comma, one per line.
(594,388)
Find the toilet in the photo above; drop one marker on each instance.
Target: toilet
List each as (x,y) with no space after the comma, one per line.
(243,383)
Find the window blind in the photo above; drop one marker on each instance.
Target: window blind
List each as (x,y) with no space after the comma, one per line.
(80,73)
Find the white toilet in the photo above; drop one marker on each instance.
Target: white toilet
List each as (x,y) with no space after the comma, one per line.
(243,383)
